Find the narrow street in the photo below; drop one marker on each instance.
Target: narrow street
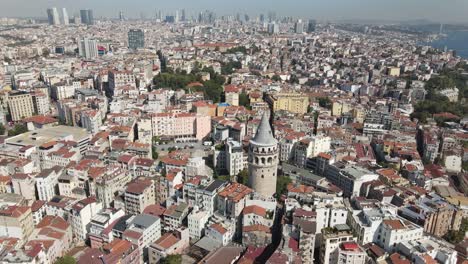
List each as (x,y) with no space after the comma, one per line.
(276,236)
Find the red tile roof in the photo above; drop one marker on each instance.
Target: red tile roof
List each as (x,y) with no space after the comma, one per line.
(166,241)
(219,228)
(14,211)
(256,228)
(255,209)
(41,119)
(394,224)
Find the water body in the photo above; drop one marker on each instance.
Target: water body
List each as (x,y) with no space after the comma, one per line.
(455,40)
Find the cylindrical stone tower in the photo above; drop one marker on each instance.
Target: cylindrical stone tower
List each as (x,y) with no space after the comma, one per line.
(263,160)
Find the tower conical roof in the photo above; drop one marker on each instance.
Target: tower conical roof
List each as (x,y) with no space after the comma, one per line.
(264,135)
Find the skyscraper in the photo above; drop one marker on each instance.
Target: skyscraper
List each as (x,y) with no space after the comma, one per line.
(121,16)
(90,17)
(87,17)
(311,26)
(66,20)
(299,27)
(184,18)
(263,160)
(271,16)
(88,48)
(136,39)
(53,16)
(273,28)
(84,16)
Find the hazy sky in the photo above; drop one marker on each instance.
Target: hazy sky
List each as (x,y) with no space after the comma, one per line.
(436,10)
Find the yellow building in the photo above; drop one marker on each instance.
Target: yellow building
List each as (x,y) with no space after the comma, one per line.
(394,71)
(359,114)
(17,222)
(5,183)
(340,107)
(292,102)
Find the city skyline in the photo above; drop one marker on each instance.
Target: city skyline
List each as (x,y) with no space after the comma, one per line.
(398,10)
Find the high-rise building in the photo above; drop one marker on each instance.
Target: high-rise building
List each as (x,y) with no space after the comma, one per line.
(87,17)
(90,17)
(273,28)
(183,18)
(159,15)
(136,39)
(299,27)
(20,105)
(311,26)
(76,20)
(271,16)
(263,160)
(66,20)
(53,16)
(121,16)
(84,16)
(88,48)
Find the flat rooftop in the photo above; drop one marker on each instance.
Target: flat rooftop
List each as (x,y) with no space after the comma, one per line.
(44,135)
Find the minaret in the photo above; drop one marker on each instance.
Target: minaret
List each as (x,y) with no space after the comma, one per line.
(263,160)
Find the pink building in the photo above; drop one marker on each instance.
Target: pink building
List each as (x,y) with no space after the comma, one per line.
(181,125)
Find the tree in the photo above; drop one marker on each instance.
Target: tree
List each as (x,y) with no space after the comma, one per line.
(213,91)
(276,78)
(18,129)
(171,149)
(244,100)
(293,79)
(2,129)
(155,154)
(241,49)
(172,259)
(325,102)
(229,67)
(282,185)
(66,260)
(465,166)
(456,236)
(243,177)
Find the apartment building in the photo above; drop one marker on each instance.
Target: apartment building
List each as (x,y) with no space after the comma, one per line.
(111,181)
(181,126)
(81,215)
(17,222)
(20,105)
(331,240)
(138,195)
(434,213)
(234,157)
(120,78)
(292,102)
